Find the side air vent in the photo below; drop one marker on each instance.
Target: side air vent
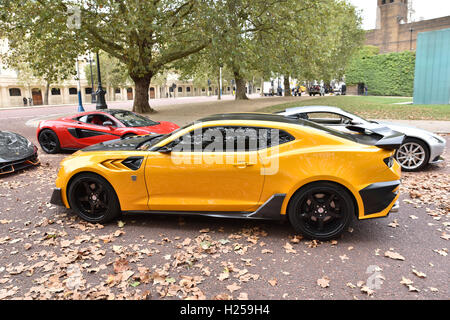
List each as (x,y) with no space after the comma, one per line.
(134,163)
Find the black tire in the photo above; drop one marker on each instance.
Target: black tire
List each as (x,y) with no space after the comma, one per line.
(419,159)
(49,141)
(328,210)
(93,198)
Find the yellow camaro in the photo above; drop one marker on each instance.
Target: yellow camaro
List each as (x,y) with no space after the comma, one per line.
(243,165)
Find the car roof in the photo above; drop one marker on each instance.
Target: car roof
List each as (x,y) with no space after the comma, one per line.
(107,111)
(253,117)
(295,110)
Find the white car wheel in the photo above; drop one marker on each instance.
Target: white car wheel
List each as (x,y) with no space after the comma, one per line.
(412,155)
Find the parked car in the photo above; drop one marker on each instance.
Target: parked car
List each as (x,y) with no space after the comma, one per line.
(313,90)
(16,152)
(88,128)
(245,165)
(419,149)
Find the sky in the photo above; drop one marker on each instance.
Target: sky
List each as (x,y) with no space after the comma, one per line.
(428,9)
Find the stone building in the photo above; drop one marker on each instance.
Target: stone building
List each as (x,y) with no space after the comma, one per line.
(394,33)
(14,92)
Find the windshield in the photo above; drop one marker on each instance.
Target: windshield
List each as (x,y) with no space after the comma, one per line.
(131,119)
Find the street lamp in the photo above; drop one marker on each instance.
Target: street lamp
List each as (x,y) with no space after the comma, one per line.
(80,102)
(173,89)
(93,97)
(411,39)
(101,103)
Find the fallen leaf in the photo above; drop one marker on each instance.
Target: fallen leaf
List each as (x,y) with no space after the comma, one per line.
(324,282)
(394,255)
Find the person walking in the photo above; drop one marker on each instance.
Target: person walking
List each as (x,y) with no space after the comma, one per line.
(365,90)
(25,101)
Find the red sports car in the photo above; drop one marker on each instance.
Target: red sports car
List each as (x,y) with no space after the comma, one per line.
(88,128)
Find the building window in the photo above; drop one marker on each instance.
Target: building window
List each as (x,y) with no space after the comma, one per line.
(117,90)
(56,91)
(180,89)
(88,90)
(15,92)
(203,89)
(228,88)
(73,91)
(188,89)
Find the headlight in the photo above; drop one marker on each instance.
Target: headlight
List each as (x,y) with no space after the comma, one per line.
(438,139)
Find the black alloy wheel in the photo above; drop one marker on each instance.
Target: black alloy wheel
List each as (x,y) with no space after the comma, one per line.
(321,210)
(93,198)
(49,141)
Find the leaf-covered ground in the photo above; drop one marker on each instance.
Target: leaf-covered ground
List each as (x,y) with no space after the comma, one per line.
(48,253)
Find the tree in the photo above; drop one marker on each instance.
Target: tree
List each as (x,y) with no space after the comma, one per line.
(144,35)
(114,73)
(315,41)
(41,57)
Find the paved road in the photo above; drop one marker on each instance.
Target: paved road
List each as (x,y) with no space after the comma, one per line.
(46,252)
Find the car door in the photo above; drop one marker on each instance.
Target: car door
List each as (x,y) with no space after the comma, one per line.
(205,171)
(89,129)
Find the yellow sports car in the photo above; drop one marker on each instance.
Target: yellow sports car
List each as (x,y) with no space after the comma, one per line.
(243,165)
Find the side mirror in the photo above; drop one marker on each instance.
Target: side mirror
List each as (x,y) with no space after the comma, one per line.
(165,149)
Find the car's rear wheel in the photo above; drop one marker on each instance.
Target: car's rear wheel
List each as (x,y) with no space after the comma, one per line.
(93,198)
(321,210)
(49,141)
(413,155)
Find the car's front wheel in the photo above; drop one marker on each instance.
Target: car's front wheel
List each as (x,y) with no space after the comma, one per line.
(49,141)
(413,155)
(321,210)
(93,198)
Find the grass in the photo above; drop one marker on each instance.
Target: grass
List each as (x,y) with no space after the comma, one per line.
(372,107)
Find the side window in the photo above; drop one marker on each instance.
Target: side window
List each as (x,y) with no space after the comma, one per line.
(230,139)
(97,119)
(82,119)
(327,118)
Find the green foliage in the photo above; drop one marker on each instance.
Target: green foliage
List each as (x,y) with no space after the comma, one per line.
(114,73)
(390,74)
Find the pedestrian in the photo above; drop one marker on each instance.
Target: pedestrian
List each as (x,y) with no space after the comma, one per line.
(322,90)
(30,101)
(365,90)
(25,101)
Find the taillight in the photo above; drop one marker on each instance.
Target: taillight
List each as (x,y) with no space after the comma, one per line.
(389,161)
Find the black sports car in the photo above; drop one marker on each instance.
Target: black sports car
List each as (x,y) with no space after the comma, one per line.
(16,152)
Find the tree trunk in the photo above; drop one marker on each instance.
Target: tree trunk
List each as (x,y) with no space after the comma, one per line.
(287,86)
(141,98)
(47,90)
(240,86)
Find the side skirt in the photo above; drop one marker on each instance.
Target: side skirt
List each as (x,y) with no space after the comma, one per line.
(270,210)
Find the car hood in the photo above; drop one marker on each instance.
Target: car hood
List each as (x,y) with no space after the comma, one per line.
(13,147)
(161,127)
(122,144)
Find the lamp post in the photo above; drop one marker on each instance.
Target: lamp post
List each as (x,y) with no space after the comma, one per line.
(220,83)
(93,97)
(173,89)
(101,103)
(80,102)
(411,39)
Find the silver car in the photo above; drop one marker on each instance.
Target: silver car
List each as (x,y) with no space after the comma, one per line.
(419,148)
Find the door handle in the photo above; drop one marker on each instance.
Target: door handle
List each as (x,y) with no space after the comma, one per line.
(242,165)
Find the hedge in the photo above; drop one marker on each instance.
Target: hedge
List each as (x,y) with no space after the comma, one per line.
(390,74)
